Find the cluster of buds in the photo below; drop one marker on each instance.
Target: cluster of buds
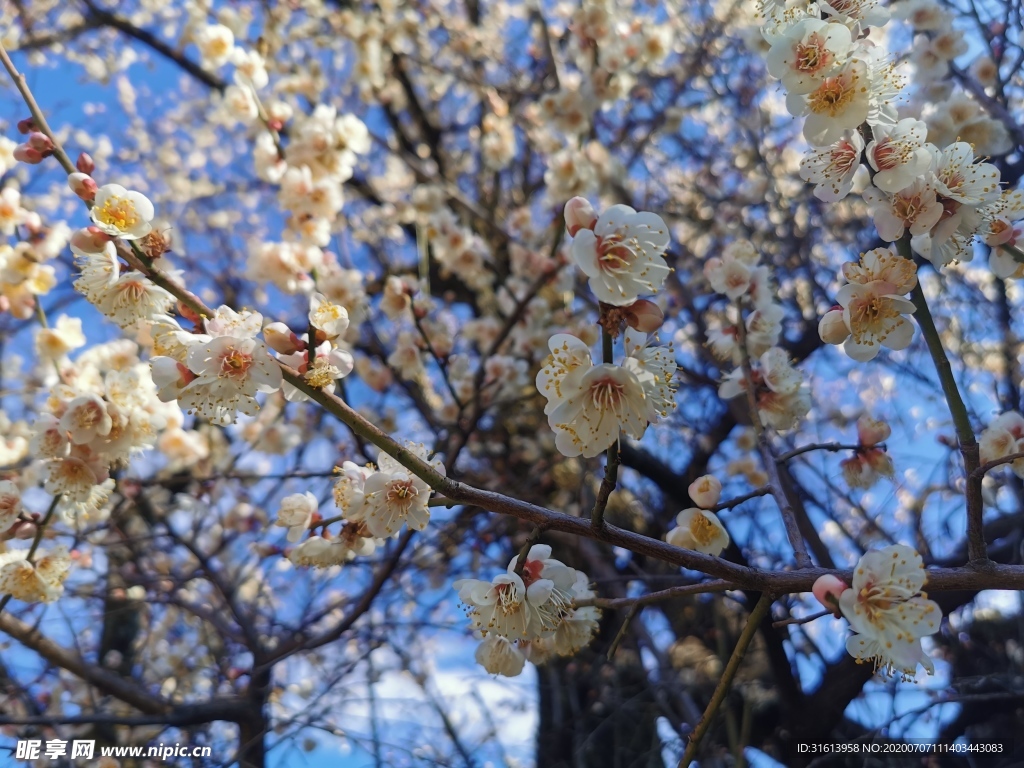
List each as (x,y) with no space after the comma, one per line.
(36,147)
(81,182)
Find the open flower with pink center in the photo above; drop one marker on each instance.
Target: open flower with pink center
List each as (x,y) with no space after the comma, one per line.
(888,611)
(522,607)
(807,52)
(85,418)
(915,208)
(898,154)
(960,178)
(833,168)
(622,255)
(229,373)
(609,400)
(393,496)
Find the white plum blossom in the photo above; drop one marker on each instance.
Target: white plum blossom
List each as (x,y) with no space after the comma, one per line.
(499,656)
(915,208)
(229,372)
(296,513)
(122,213)
(393,496)
(526,606)
(41,581)
(699,530)
(806,52)
(889,613)
(608,401)
(832,169)
(623,254)
(898,154)
(840,102)
(873,303)
(10,504)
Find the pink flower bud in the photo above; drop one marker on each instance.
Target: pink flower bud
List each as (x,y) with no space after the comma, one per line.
(24,530)
(85,164)
(90,240)
(282,339)
(827,590)
(83,185)
(26,126)
(579,214)
(644,316)
(872,431)
(40,141)
(832,328)
(25,154)
(705,491)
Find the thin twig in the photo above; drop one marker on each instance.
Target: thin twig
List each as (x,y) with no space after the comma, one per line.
(622,630)
(37,113)
(727,677)
(719,585)
(611,465)
(831,447)
(961,418)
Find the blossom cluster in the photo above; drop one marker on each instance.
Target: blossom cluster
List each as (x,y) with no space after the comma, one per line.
(528,612)
(375,502)
(835,75)
(589,405)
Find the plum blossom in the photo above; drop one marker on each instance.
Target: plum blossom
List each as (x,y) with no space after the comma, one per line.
(873,304)
(393,496)
(832,169)
(888,612)
(806,52)
(296,513)
(915,208)
(699,530)
(38,582)
(899,154)
(623,254)
(122,213)
(522,607)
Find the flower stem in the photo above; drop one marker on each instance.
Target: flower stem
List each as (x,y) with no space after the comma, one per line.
(976,550)
(722,690)
(611,464)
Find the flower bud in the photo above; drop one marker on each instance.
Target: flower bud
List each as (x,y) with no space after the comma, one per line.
(282,339)
(579,214)
(41,142)
(27,125)
(705,491)
(24,530)
(90,240)
(83,185)
(85,164)
(832,328)
(644,316)
(827,590)
(872,431)
(23,153)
